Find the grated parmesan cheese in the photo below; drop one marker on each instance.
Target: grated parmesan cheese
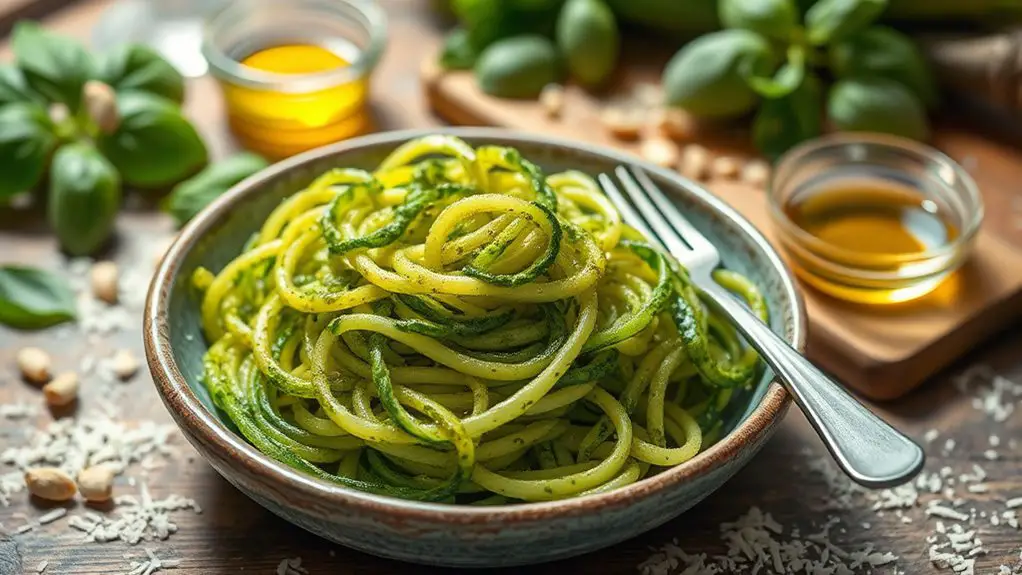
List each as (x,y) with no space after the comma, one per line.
(151,564)
(74,444)
(136,519)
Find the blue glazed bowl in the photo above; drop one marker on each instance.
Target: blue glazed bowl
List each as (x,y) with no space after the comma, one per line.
(435,533)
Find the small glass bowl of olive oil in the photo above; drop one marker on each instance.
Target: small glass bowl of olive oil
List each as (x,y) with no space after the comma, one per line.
(295,73)
(873,219)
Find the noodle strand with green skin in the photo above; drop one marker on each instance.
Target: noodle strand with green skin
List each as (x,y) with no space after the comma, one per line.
(457,326)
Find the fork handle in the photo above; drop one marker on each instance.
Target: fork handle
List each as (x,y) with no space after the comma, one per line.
(867,448)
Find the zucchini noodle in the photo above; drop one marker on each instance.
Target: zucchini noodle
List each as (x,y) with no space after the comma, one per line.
(457,327)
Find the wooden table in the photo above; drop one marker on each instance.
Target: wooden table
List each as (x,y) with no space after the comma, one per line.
(234,535)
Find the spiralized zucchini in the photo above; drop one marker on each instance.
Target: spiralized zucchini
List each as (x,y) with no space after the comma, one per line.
(457,327)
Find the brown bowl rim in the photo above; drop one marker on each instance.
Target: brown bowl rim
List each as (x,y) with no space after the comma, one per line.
(190,413)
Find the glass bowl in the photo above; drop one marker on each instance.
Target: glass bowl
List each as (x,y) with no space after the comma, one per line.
(882,161)
(279,114)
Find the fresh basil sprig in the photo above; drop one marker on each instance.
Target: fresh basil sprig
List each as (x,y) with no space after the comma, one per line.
(139,68)
(31,298)
(54,66)
(85,194)
(190,196)
(154,145)
(121,122)
(26,140)
(882,81)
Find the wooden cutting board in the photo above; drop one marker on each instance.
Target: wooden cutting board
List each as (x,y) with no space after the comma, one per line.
(882,352)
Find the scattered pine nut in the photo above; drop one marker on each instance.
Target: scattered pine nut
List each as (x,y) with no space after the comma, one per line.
(62,390)
(660,151)
(96,483)
(104,281)
(695,161)
(756,172)
(124,364)
(552,100)
(675,124)
(34,364)
(50,483)
(101,105)
(621,123)
(725,167)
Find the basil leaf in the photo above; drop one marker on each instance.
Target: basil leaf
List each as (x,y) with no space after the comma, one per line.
(140,68)
(154,145)
(787,78)
(195,193)
(55,66)
(707,76)
(85,194)
(458,53)
(785,122)
(26,140)
(776,19)
(831,20)
(876,105)
(14,88)
(885,53)
(31,298)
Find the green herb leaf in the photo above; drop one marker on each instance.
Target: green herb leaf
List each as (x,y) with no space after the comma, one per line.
(776,19)
(55,66)
(195,193)
(85,194)
(831,20)
(140,68)
(26,140)
(31,298)
(154,145)
(707,76)
(14,88)
(458,53)
(787,78)
(876,105)
(885,53)
(785,122)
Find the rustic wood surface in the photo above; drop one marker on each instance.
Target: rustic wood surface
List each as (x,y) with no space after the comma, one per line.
(883,352)
(234,535)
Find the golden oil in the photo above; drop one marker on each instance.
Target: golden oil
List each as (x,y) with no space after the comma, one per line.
(286,119)
(873,225)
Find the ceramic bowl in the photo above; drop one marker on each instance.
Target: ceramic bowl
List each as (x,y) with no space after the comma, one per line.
(436,533)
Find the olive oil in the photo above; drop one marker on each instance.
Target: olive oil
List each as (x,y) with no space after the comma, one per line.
(872,225)
(872,220)
(289,119)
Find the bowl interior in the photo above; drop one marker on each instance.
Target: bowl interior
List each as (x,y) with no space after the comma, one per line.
(217,236)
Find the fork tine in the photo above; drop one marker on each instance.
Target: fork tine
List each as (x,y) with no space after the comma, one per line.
(668,236)
(628,214)
(681,225)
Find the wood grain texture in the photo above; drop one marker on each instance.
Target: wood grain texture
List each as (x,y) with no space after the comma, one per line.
(235,536)
(882,353)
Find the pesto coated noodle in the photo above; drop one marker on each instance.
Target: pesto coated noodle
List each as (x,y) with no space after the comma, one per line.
(457,327)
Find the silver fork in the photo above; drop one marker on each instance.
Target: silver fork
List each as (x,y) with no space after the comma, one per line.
(867,448)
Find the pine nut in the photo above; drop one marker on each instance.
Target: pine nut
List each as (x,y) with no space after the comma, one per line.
(124,364)
(552,100)
(104,281)
(63,390)
(660,151)
(724,167)
(695,160)
(34,364)
(756,172)
(50,483)
(676,124)
(96,483)
(101,105)
(622,124)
